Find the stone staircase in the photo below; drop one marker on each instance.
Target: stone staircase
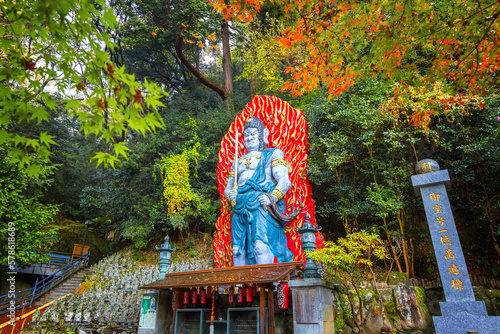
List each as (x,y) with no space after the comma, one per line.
(66,287)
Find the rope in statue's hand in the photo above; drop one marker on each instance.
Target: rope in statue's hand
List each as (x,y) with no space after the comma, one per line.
(277,215)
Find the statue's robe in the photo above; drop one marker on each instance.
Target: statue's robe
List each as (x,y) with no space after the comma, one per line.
(250,222)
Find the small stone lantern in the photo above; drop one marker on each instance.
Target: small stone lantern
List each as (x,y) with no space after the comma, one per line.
(307,235)
(165,256)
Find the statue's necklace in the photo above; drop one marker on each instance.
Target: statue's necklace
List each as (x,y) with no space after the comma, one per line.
(248,160)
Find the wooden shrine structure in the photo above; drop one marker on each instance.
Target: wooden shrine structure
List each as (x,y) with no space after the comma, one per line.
(262,275)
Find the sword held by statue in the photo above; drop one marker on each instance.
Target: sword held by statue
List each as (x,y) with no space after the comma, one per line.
(235,185)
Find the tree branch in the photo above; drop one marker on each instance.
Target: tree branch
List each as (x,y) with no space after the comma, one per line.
(178,49)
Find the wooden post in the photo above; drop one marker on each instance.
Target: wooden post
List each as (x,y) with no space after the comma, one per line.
(270,308)
(177,302)
(262,309)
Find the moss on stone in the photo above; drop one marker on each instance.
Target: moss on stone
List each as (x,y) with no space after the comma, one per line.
(434,294)
(420,292)
(391,310)
(479,293)
(368,295)
(397,277)
(492,293)
(496,306)
(346,307)
(339,324)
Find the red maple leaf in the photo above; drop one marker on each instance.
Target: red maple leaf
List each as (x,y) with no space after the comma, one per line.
(102,103)
(137,96)
(28,64)
(81,85)
(110,68)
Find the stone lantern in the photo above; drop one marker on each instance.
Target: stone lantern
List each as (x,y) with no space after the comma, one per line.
(308,238)
(165,256)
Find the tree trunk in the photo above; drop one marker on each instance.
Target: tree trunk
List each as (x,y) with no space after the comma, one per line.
(226,92)
(389,239)
(487,212)
(403,241)
(226,64)
(253,87)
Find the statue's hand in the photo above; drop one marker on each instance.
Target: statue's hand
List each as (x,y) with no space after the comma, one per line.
(232,195)
(264,200)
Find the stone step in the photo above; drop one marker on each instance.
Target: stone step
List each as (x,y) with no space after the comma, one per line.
(61,286)
(71,284)
(54,297)
(72,288)
(66,291)
(65,288)
(78,277)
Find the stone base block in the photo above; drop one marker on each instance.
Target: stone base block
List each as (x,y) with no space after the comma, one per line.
(468,308)
(463,324)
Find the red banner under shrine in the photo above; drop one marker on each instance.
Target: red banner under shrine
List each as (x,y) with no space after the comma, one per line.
(287,131)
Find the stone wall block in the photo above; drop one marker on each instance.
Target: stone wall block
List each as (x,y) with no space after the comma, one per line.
(374,320)
(411,306)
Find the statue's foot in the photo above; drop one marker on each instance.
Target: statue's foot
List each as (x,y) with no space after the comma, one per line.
(262,252)
(241,259)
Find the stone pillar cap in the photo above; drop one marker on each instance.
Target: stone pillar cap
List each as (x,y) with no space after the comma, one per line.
(430,179)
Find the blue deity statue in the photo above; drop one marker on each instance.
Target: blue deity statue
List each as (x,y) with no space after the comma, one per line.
(262,180)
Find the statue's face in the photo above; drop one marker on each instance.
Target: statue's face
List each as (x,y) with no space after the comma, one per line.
(251,139)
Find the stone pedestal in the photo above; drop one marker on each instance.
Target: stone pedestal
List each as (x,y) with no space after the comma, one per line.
(313,311)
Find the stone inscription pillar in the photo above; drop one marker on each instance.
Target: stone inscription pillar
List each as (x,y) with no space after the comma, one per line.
(461,312)
(313,311)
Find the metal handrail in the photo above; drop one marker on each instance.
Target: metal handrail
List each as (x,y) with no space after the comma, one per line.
(55,256)
(43,286)
(55,252)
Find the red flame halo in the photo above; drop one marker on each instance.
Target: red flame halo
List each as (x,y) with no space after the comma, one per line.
(288,131)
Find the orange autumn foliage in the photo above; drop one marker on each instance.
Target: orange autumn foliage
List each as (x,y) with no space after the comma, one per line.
(422,42)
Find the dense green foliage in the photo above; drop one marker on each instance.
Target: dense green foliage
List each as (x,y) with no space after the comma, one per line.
(24,218)
(363,143)
(49,46)
(362,158)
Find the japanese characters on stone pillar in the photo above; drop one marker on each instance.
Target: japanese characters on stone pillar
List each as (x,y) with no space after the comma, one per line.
(461,312)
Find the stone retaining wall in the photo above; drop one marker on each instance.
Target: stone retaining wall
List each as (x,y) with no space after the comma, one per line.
(406,308)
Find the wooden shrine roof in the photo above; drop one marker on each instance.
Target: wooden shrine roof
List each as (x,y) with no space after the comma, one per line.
(259,274)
